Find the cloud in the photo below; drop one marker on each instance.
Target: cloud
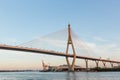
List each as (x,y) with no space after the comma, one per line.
(91,45)
(111,50)
(111,46)
(99,39)
(108,51)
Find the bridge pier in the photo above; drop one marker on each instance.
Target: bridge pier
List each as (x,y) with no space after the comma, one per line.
(71,67)
(86,61)
(118,64)
(97,64)
(68,63)
(111,64)
(104,63)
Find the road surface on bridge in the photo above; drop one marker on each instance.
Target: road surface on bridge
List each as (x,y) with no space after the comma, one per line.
(50,52)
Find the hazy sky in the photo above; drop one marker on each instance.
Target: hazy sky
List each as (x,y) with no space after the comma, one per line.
(97,22)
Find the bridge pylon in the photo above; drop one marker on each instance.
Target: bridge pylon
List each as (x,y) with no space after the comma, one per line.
(70,42)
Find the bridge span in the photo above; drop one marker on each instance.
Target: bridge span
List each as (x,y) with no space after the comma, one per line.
(50,52)
(41,51)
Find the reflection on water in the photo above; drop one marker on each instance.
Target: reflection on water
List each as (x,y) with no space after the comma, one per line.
(59,76)
(71,77)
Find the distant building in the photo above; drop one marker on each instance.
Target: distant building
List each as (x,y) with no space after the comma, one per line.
(59,68)
(63,68)
(116,66)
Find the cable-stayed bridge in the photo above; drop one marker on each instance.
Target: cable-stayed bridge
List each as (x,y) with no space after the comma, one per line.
(72,49)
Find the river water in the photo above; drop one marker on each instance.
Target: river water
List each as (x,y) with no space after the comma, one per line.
(59,76)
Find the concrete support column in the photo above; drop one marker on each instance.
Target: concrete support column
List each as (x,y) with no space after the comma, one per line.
(111,64)
(97,64)
(68,63)
(104,63)
(118,64)
(86,61)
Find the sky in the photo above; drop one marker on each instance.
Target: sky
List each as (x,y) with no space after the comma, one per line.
(96,22)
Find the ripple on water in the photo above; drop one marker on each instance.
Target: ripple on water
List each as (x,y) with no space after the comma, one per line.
(59,76)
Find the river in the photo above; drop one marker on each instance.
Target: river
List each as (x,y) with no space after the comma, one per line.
(59,76)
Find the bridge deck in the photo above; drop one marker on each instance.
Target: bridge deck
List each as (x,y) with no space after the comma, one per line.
(40,51)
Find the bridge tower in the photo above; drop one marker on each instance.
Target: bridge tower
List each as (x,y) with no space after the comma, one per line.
(70,42)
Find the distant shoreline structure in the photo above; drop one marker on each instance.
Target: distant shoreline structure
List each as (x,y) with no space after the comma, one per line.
(91,70)
(19,70)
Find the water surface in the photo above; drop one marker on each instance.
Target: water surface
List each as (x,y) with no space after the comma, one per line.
(59,76)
